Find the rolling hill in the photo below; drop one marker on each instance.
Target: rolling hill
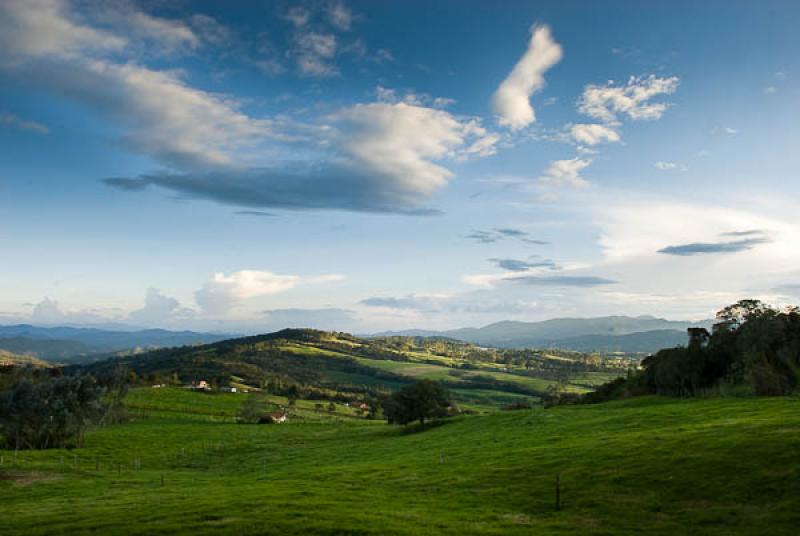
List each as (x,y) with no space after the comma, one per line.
(331,365)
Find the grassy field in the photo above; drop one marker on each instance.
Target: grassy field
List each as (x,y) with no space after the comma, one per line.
(661,466)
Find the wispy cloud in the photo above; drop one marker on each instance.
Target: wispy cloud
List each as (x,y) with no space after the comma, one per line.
(340,16)
(11,120)
(705,248)
(723,130)
(665,166)
(517,265)
(501,233)
(258,213)
(562,280)
(632,99)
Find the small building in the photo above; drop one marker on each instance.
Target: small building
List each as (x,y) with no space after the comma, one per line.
(229,390)
(278,418)
(363,407)
(201,385)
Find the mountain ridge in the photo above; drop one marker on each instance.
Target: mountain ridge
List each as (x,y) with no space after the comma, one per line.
(569,333)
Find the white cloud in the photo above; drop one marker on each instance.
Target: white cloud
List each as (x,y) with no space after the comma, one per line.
(379,156)
(565,173)
(383,55)
(313,52)
(168,35)
(12,120)
(722,130)
(298,15)
(399,143)
(50,312)
(158,310)
(166,118)
(592,134)
(161,114)
(47,312)
(511,101)
(664,166)
(384,94)
(208,29)
(224,292)
(631,99)
(770,89)
(340,16)
(38,28)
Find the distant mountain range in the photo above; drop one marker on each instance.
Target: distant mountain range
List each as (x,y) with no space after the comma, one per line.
(604,334)
(77,344)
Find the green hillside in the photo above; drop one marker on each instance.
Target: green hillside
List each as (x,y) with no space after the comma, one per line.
(654,465)
(338,366)
(9,359)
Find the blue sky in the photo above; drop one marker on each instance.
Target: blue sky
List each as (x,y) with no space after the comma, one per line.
(245,166)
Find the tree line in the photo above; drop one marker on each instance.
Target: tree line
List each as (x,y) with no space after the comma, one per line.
(47,410)
(752,348)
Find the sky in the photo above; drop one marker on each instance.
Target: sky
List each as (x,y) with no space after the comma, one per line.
(364,166)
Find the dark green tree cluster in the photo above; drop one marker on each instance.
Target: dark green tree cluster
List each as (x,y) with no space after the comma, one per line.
(420,401)
(48,414)
(752,345)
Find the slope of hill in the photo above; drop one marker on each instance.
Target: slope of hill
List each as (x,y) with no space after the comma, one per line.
(70,343)
(337,365)
(47,349)
(567,333)
(10,359)
(644,466)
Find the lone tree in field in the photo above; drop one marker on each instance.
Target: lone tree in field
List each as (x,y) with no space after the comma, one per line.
(422,400)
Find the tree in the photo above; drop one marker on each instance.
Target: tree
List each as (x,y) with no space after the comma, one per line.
(733,316)
(53,413)
(251,410)
(419,401)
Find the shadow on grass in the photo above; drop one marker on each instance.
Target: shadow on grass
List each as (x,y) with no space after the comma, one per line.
(417,428)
